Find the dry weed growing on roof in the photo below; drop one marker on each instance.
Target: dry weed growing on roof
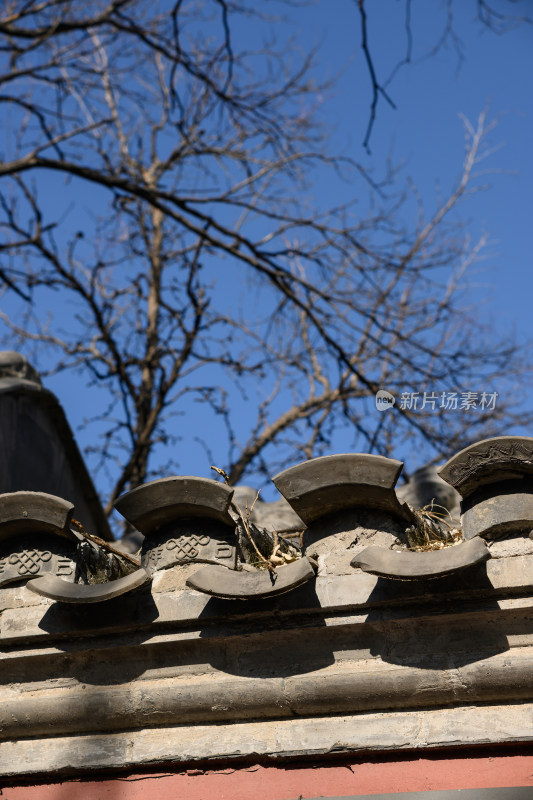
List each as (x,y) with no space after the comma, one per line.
(434,529)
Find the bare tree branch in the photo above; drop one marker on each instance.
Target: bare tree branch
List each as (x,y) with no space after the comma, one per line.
(192,265)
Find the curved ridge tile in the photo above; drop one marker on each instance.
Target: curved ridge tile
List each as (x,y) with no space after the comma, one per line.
(503,509)
(33,512)
(63,592)
(330,483)
(165,500)
(495,480)
(408,566)
(489,461)
(35,537)
(231,585)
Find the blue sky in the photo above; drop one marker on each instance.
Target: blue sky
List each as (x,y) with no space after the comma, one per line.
(424,133)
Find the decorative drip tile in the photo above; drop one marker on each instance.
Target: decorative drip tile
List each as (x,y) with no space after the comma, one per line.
(31,555)
(184,520)
(35,537)
(495,480)
(193,540)
(38,545)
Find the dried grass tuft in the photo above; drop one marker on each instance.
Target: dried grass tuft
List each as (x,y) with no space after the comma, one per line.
(434,529)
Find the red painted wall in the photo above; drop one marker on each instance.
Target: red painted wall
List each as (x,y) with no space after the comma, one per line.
(289,782)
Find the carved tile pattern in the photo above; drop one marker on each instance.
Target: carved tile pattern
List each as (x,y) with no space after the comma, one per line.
(519,453)
(186,543)
(25,557)
(29,561)
(186,547)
